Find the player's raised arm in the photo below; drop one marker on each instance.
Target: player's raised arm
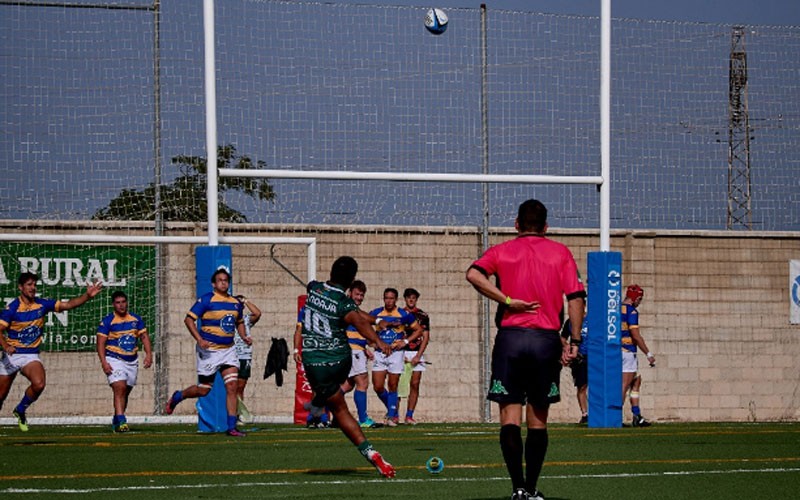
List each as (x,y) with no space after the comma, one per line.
(255,312)
(91,292)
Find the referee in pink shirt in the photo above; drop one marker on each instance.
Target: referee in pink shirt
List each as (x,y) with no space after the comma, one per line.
(533,275)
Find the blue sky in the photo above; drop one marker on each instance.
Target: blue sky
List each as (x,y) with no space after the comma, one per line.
(778,12)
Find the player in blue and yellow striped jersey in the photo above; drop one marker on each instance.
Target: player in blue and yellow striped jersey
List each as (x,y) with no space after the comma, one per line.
(394,334)
(118,337)
(358,378)
(631,338)
(221,317)
(21,325)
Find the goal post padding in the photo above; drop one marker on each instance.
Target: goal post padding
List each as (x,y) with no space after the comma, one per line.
(604,353)
(212,413)
(302,390)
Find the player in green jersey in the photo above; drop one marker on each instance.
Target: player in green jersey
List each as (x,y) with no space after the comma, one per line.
(326,353)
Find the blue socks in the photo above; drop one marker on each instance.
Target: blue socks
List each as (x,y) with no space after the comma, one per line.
(24,403)
(384,397)
(389,399)
(360,398)
(392,404)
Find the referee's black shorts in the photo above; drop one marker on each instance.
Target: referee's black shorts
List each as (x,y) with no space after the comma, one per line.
(526,367)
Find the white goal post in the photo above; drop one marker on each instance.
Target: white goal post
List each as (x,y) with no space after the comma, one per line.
(602,181)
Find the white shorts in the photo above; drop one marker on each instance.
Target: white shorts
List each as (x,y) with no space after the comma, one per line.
(12,363)
(359,363)
(123,370)
(393,362)
(409,355)
(209,362)
(629,363)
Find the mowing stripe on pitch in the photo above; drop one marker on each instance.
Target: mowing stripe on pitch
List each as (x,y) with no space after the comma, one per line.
(258,472)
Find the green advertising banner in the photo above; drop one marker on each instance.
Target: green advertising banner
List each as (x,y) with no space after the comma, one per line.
(66,270)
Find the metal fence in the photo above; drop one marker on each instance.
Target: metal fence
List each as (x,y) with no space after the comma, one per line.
(100,103)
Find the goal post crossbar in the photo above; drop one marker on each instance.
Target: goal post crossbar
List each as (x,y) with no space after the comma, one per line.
(409,176)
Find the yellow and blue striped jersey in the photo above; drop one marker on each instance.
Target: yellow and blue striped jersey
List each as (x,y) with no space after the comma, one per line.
(219,315)
(629,317)
(122,335)
(357,342)
(406,319)
(24,323)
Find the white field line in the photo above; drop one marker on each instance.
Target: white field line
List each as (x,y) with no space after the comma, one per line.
(293,484)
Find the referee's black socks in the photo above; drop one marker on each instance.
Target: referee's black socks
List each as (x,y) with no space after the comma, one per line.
(535,450)
(511,445)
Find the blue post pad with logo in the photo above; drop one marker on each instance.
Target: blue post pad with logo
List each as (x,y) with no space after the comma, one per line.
(212,414)
(605,351)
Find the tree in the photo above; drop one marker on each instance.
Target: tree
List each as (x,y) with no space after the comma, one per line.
(184,199)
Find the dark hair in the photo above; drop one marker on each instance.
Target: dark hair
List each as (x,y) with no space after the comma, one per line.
(408,292)
(118,294)
(392,290)
(221,270)
(344,270)
(532,216)
(26,277)
(359,285)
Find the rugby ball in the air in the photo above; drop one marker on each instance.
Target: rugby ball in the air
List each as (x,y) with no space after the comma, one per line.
(436,21)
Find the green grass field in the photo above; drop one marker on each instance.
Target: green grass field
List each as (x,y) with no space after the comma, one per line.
(675,461)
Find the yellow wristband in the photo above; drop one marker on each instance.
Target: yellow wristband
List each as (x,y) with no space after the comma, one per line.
(508,300)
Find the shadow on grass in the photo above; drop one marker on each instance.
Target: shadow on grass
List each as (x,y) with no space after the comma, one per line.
(336,472)
(30,443)
(505,497)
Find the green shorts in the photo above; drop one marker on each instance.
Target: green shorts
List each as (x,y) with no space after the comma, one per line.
(326,379)
(245,368)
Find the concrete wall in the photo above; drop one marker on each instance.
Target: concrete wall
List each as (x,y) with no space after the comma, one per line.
(715,312)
